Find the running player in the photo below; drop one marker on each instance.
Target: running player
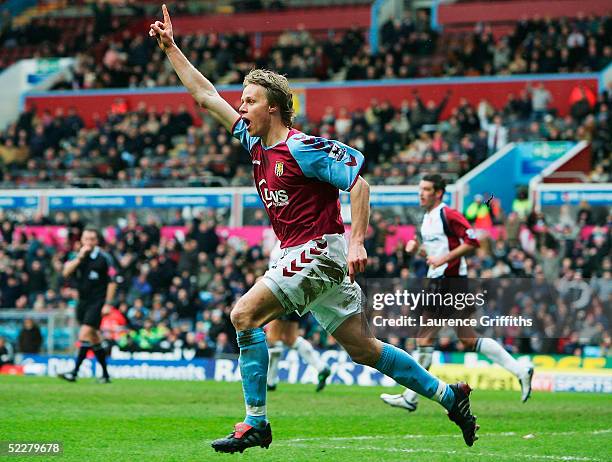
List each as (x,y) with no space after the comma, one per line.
(284,332)
(447,238)
(298,177)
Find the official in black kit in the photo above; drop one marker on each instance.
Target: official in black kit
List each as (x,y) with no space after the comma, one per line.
(94,273)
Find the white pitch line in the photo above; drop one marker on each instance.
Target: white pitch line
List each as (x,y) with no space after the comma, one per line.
(483,454)
(454,435)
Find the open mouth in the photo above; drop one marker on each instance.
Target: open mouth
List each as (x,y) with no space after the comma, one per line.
(247,122)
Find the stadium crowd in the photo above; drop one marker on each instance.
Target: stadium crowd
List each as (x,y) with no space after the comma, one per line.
(50,36)
(536,46)
(409,48)
(177,293)
(144,148)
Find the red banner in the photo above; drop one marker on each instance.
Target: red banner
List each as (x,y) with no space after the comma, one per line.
(11,369)
(310,19)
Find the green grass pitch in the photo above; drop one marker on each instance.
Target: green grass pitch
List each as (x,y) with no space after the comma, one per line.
(137,420)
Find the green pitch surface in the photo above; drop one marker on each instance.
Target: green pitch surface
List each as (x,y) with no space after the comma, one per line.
(136,420)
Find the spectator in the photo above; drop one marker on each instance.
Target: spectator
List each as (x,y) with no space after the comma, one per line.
(581,102)
(497,134)
(431,112)
(29,339)
(223,346)
(478,213)
(540,101)
(598,175)
(37,283)
(550,260)
(6,352)
(521,205)
(12,291)
(141,289)
(113,325)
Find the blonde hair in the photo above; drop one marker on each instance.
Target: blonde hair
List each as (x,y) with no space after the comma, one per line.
(277,89)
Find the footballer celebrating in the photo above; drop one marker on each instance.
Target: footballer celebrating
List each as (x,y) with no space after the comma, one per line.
(298,178)
(447,238)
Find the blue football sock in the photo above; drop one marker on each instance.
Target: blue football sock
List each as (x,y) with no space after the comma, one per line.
(254,370)
(402,368)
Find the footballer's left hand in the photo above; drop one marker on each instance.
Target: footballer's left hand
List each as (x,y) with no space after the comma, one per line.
(357,260)
(434,262)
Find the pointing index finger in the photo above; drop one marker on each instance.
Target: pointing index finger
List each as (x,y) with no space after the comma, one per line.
(166,14)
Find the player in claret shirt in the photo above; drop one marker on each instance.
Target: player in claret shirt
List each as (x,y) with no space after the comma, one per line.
(447,238)
(298,178)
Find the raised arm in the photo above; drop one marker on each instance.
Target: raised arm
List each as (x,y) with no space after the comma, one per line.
(202,90)
(443,103)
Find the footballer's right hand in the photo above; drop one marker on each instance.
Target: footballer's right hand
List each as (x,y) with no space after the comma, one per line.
(162,31)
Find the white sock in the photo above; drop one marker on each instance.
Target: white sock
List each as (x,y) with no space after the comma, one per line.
(275,352)
(496,353)
(308,353)
(423,356)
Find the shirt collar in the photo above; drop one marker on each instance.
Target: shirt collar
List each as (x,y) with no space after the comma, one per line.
(437,208)
(94,253)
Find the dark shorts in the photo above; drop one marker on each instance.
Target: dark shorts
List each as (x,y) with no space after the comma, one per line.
(290,317)
(90,313)
(448,289)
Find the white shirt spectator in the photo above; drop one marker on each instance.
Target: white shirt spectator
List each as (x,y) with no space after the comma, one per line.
(575,40)
(540,98)
(497,134)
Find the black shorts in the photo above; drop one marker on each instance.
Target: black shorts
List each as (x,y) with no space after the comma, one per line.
(90,313)
(447,289)
(290,317)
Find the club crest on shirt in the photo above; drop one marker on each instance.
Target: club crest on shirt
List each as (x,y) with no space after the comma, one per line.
(338,153)
(278,168)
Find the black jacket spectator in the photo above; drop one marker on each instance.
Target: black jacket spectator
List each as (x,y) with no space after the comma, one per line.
(30,339)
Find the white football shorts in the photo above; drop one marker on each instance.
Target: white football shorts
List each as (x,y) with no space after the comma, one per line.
(314,277)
